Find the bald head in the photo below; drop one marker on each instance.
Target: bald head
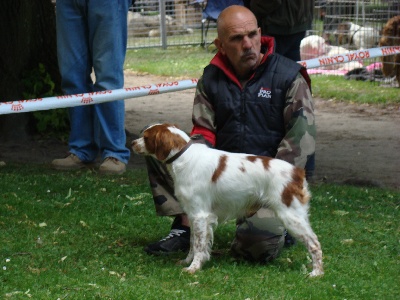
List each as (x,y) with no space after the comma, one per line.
(232,16)
(239,39)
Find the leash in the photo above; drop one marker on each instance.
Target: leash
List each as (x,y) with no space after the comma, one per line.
(195,139)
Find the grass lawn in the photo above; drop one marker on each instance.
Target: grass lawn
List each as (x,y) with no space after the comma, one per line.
(79,235)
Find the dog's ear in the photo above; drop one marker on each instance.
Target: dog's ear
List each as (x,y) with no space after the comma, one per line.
(161,144)
(166,142)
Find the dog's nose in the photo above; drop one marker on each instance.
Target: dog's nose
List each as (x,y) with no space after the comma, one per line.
(133,144)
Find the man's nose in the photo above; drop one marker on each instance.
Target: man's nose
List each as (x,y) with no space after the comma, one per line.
(246,43)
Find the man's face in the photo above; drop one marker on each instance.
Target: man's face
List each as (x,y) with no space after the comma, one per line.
(240,40)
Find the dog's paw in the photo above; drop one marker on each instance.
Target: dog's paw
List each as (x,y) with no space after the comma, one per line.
(316,273)
(181,262)
(190,270)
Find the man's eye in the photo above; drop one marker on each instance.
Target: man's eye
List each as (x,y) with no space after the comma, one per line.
(236,38)
(252,34)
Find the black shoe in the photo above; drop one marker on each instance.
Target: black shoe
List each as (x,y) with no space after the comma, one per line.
(289,240)
(177,240)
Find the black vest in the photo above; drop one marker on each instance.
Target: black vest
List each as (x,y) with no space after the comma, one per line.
(250,120)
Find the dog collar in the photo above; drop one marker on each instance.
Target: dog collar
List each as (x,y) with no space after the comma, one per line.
(196,139)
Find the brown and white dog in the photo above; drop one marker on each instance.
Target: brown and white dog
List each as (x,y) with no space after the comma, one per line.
(391,37)
(213,185)
(353,34)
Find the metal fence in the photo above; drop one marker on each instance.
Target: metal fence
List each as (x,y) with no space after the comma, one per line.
(339,26)
(161,23)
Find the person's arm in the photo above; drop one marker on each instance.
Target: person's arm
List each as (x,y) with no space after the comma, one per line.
(299,120)
(203,115)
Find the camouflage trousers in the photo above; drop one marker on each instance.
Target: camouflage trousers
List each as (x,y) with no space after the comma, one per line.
(258,238)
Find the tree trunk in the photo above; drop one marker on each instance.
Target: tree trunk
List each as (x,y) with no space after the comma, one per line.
(28,35)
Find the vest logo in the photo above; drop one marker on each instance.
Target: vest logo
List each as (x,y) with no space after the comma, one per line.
(264,93)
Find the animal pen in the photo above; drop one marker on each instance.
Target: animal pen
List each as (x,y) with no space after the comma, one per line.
(338,27)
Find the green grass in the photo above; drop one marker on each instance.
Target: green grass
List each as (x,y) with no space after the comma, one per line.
(78,235)
(360,92)
(189,62)
(182,62)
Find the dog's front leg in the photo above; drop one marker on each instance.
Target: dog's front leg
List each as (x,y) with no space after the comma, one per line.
(199,243)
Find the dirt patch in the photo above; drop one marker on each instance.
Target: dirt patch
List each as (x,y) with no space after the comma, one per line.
(355,144)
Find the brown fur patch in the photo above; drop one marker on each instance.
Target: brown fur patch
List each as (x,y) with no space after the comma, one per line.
(342,32)
(265,162)
(295,188)
(220,168)
(159,140)
(251,158)
(264,159)
(391,37)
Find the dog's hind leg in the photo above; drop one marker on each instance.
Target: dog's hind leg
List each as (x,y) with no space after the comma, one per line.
(296,222)
(201,239)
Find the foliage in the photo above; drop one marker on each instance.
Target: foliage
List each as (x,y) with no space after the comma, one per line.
(78,235)
(189,62)
(38,84)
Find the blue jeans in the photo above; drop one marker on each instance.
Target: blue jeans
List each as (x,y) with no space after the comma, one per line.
(92,35)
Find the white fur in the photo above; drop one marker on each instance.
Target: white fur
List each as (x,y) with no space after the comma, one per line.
(244,184)
(361,37)
(364,37)
(312,46)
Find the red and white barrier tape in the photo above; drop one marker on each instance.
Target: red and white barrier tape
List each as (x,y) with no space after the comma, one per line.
(350,56)
(20,106)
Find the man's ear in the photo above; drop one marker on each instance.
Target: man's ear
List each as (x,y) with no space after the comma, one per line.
(218,44)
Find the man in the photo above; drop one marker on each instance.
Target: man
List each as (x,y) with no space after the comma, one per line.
(92,35)
(248,100)
(285,20)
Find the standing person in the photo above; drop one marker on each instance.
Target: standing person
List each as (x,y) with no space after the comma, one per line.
(92,35)
(285,20)
(248,100)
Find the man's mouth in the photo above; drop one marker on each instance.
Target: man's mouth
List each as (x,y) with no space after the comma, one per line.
(249,55)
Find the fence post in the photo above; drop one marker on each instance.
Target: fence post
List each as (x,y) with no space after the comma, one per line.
(163,26)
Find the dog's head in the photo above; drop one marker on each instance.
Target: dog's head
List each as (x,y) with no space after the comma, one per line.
(342,32)
(160,141)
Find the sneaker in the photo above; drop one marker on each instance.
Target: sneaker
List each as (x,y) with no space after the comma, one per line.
(177,240)
(71,162)
(112,166)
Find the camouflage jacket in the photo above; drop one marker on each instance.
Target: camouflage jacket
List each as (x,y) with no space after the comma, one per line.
(297,143)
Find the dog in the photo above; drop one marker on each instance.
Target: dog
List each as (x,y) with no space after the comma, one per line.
(391,37)
(214,186)
(312,46)
(360,37)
